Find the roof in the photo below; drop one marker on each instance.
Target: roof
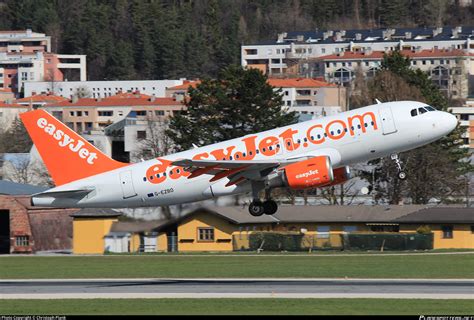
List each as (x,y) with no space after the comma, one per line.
(117,102)
(447,33)
(14,189)
(186,84)
(48,98)
(338,214)
(275,82)
(440,215)
(377,55)
(11,105)
(298,83)
(129,95)
(96,213)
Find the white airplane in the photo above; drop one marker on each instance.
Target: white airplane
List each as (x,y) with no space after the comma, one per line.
(309,154)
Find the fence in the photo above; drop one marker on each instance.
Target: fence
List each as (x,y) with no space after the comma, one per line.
(276,241)
(279,241)
(387,241)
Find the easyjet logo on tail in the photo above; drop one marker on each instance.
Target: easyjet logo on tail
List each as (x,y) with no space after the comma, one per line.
(65,141)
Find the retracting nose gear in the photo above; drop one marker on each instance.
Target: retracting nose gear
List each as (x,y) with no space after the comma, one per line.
(401,174)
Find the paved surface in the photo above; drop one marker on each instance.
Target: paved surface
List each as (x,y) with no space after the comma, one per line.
(237,288)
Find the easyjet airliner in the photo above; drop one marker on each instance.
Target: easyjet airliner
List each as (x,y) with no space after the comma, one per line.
(309,154)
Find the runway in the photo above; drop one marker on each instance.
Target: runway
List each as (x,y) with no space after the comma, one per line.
(237,288)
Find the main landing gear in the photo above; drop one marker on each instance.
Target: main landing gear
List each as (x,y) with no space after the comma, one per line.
(258,207)
(401,174)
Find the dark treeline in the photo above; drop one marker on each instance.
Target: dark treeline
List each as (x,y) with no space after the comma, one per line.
(151,39)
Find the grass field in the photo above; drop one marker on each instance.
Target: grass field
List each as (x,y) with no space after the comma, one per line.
(238,266)
(238,306)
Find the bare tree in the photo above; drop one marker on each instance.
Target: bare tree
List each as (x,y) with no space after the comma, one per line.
(342,194)
(18,170)
(155,143)
(82,92)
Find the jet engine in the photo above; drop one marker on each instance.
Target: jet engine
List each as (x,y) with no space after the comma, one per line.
(341,175)
(311,173)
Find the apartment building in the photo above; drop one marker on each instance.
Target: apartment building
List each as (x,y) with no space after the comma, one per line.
(288,54)
(465,115)
(26,56)
(303,95)
(100,89)
(452,70)
(116,123)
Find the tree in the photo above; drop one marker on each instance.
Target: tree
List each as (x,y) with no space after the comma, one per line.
(16,139)
(237,103)
(156,143)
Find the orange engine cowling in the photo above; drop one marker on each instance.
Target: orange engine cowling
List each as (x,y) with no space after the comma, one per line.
(341,175)
(311,173)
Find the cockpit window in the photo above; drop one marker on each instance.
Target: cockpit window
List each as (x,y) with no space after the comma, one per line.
(422,110)
(414,113)
(429,108)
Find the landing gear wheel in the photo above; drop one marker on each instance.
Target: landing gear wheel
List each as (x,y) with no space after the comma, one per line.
(270,207)
(256,208)
(402,175)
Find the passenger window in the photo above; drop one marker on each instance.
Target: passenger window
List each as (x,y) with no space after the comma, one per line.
(422,110)
(414,113)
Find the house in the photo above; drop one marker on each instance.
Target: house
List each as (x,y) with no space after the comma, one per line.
(224,229)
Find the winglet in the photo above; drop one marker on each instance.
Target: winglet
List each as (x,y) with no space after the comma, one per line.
(67,156)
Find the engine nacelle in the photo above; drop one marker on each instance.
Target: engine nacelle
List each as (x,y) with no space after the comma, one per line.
(341,175)
(311,173)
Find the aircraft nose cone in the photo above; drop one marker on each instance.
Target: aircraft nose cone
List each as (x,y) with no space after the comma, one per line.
(450,122)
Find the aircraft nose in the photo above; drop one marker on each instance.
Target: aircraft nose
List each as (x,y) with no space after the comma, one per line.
(450,121)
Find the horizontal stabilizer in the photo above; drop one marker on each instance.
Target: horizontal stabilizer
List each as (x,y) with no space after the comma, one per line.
(80,193)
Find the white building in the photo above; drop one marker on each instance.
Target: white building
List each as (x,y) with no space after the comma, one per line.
(100,89)
(284,55)
(26,56)
(452,70)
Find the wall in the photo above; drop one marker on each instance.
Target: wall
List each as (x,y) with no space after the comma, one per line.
(188,233)
(52,229)
(89,233)
(462,238)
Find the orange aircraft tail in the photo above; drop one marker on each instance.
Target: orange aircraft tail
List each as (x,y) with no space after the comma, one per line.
(67,156)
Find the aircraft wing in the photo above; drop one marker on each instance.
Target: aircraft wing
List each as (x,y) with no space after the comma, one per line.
(237,171)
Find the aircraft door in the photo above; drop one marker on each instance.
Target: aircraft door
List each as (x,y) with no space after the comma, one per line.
(388,122)
(126,182)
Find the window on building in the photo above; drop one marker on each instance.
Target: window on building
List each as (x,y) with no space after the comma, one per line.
(349,229)
(106,113)
(22,241)
(323,50)
(79,113)
(71,113)
(472,229)
(159,113)
(251,51)
(141,113)
(385,228)
(447,232)
(141,134)
(322,231)
(205,234)
(86,113)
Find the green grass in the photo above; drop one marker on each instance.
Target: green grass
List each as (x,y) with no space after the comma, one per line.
(238,266)
(238,306)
